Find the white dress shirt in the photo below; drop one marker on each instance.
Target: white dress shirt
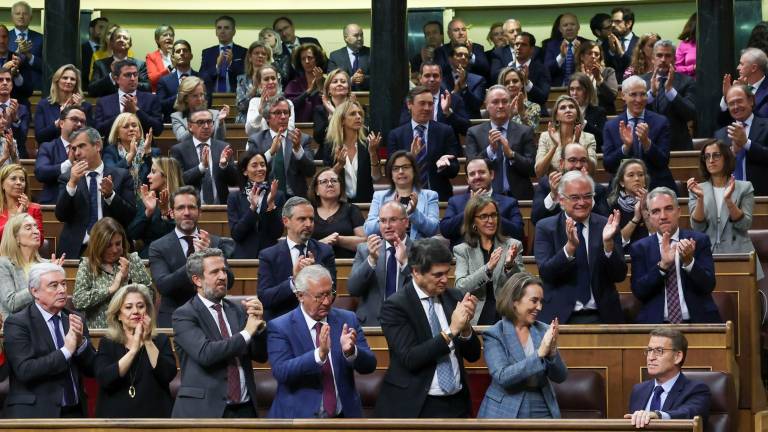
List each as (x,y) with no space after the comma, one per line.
(667,386)
(99,177)
(350,175)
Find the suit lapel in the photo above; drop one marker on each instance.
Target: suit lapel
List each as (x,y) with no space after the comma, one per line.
(381,271)
(595,247)
(417,311)
(232,318)
(301,331)
(510,335)
(41,327)
(206,318)
(674,393)
(760,94)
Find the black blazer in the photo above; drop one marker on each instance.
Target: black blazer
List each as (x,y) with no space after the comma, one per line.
(414,353)
(253,231)
(757,156)
(38,369)
(459,120)
(364,179)
(86,54)
(74,211)
(595,118)
(679,112)
(340,59)
(102,84)
(186,153)
(622,62)
(149,114)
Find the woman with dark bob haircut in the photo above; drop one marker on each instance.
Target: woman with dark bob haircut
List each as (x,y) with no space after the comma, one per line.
(305,90)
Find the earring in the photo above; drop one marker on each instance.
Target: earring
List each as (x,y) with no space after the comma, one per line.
(474,227)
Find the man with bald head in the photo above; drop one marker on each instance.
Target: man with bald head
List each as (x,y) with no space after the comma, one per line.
(505,55)
(354,58)
(753,64)
(458,35)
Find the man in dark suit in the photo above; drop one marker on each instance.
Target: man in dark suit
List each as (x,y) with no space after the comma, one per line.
(21,70)
(27,42)
(748,137)
(96,28)
(221,64)
(355,58)
(49,352)
(449,108)
(580,258)
(381,264)
(671,94)
(503,56)
(433,144)
(54,158)
(480,176)
(168,254)
(287,150)
(103,82)
(315,351)
(507,144)
(90,191)
(560,53)
(433,37)
(128,98)
(15,112)
(281,263)
(538,79)
(206,163)
(673,273)
(638,133)
(284,26)
(459,36)
(216,341)
(669,394)
(464,84)
(621,42)
(753,64)
(168,86)
(429,335)
(546,201)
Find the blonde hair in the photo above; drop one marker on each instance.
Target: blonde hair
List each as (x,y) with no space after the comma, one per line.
(171,170)
(115,330)
(100,237)
(335,134)
(54,96)
(186,87)
(327,84)
(9,244)
(120,121)
(6,172)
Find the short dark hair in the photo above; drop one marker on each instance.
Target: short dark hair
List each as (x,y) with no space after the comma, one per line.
(530,36)
(453,49)
(437,23)
(5,70)
(182,42)
(391,161)
(427,252)
(417,90)
(186,190)
(95,21)
(679,342)
(242,165)
(512,291)
(117,67)
(596,23)
(626,14)
(729,160)
(430,63)
(282,18)
(487,162)
(67,109)
(227,18)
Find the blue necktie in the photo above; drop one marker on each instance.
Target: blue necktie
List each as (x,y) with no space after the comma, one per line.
(661,100)
(739,172)
(70,397)
(582,266)
(444,368)
(222,84)
(500,181)
(569,64)
(421,158)
(637,149)
(656,399)
(391,272)
(356,63)
(93,199)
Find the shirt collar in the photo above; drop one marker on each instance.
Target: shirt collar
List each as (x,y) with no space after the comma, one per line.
(387,244)
(667,386)
(629,36)
(121,93)
(527,63)
(180,234)
(351,52)
(207,302)
(422,295)
(292,244)
(20,31)
(750,119)
(308,319)
(641,116)
(229,45)
(99,169)
(414,124)
(757,84)
(674,237)
(46,315)
(505,125)
(197,142)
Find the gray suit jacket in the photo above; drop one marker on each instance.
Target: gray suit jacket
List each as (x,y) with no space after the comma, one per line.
(471,267)
(340,59)
(186,153)
(297,170)
(370,284)
(14,293)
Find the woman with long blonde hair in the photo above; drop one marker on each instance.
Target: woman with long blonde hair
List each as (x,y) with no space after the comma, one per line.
(66,89)
(14,197)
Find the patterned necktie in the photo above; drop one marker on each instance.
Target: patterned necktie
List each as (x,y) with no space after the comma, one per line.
(674,313)
(739,172)
(582,264)
(356,63)
(70,397)
(569,64)
(445,376)
(208,194)
(500,181)
(93,200)
(329,390)
(661,101)
(234,393)
(278,168)
(637,149)
(300,248)
(222,83)
(391,287)
(656,399)
(421,158)
(190,245)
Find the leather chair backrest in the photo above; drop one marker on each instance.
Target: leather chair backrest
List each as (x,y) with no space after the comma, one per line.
(582,395)
(723,410)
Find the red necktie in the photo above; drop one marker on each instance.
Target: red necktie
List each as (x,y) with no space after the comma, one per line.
(233,374)
(329,391)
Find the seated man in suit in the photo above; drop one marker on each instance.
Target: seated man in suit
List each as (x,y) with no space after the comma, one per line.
(673,273)
(222,63)
(464,84)
(314,351)
(96,28)
(559,53)
(27,43)
(752,67)
(354,58)
(90,191)
(287,150)
(671,94)
(128,98)
(434,144)
(459,36)
(669,394)
(507,144)
(48,349)
(280,264)
(429,335)
(216,341)
(546,201)
(449,108)
(433,39)
(480,179)
(15,112)
(206,163)
(168,86)
(168,254)
(102,82)
(580,258)
(381,264)
(748,137)
(639,133)
(54,158)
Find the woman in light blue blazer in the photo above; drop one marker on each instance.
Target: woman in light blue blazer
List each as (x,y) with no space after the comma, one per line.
(721,206)
(404,185)
(522,355)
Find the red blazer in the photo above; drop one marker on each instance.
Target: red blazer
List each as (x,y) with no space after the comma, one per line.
(156,69)
(35,211)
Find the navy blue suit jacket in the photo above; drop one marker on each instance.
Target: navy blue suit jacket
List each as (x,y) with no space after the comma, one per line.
(542,189)
(657,156)
(36,65)
(19,129)
(551,51)
(208,70)
(275,270)
(757,156)
(50,155)
(299,378)
(253,231)
(559,273)
(340,59)
(511,219)
(480,66)
(168,88)
(108,108)
(648,283)
(46,115)
(679,111)
(440,141)
(685,400)
(473,94)
(459,120)
(620,63)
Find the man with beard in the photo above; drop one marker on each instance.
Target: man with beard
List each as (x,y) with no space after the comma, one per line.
(216,341)
(281,263)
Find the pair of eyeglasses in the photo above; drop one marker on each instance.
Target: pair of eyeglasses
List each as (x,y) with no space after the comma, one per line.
(711,156)
(487,216)
(202,123)
(656,351)
(324,296)
(328,182)
(577,198)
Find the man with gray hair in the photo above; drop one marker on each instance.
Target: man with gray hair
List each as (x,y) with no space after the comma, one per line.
(671,94)
(48,349)
(216,341)
(638,133)
(673,273)
(286,148)
(354,58)
(580,257)
(280,264)
(315,351)
(90,191)
(753,64)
